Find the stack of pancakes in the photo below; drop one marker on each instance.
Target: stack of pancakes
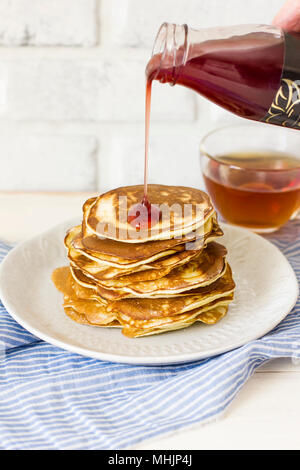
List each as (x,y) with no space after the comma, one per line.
(152,280)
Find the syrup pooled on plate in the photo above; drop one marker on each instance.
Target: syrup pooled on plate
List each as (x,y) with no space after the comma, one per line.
(255,190)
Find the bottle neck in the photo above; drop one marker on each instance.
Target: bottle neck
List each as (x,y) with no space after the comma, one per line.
(169,54)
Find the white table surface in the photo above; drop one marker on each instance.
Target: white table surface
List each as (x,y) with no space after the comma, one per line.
(266,413)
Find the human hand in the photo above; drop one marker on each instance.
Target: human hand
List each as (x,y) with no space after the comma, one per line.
(288,17)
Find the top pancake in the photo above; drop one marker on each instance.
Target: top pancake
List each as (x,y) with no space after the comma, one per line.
(183,211)
(119,254)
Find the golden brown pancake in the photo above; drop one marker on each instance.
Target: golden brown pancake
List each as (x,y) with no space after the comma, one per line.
(202,270)
(148,308)
(166,279)
(85,320)
(124,255)
(153,270)
(84,281)
(84,285)
(92,312)
(84,311)
(75,316)
(145,272)
(209,317)
(183,210)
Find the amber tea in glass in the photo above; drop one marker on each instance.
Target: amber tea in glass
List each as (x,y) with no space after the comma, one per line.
(253,175)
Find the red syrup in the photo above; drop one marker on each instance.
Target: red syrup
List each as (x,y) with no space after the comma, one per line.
(145,215)
(242,74)
(251,75)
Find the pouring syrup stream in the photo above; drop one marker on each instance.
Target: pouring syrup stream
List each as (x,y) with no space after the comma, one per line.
(145,215)
(147,127)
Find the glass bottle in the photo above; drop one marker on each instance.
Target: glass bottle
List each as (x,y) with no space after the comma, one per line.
(250,70)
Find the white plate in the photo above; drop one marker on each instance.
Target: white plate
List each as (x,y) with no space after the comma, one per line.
(266,291)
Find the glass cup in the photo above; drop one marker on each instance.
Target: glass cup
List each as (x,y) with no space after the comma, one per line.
(252,174)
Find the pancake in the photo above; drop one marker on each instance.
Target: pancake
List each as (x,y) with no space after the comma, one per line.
(91,312)
(145,272)
(152,270)
(183,211)
(124,255)
(75,316)
(209,314)
(69,286)
(86,288)
(82,280)
(146,282)
(209,317)
(94,312)
(148,308)
(202,270)
(84,285)
(83,311)
(85,320)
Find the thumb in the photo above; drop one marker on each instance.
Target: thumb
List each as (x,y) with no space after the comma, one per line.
(288,17)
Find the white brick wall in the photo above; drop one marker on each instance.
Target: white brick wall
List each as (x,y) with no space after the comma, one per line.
(72,92)
(48,22)
(174,155)
(45,163)
(105,89)
(136,22)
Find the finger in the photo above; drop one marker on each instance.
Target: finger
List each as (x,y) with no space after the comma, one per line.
(288,17)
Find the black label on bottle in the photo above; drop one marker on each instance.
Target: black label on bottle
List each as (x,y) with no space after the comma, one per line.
(285,109)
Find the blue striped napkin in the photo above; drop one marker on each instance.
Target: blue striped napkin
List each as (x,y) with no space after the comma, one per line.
(52,399)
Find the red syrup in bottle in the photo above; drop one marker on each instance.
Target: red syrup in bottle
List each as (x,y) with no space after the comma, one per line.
(251,70)
(240,74)
(144,215)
